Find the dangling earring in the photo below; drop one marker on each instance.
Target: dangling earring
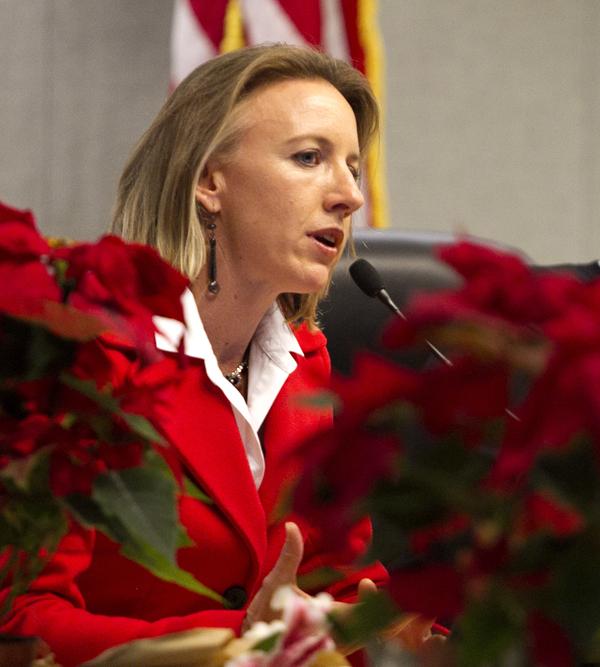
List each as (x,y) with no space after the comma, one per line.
(213,285)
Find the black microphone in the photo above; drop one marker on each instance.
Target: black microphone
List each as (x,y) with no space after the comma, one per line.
(367,278)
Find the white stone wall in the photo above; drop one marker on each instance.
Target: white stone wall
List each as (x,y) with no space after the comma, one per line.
(492,113)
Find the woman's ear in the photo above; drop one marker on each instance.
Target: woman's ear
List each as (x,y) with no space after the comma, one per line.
(208,191)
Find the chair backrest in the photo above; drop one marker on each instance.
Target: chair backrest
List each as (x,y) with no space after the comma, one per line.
(407,263)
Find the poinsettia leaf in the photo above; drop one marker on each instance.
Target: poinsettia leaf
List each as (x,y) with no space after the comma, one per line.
(571,472)
(144,500)
(183,539)
(165,568)
(30,351)
(95,513)
(89,389)
(89,513)
(321,399)
(102,423)
(37,481)
(373,613)
(389,544)
(489,631)
(142,427)
(536,553)
(192,490)
(575,588)
(27,472)
(31,522)
(67,322)
(319,578)
(138,424)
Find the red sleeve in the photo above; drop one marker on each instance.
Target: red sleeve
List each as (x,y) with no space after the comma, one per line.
(54,609)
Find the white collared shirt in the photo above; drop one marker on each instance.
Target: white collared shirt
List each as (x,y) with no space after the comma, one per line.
(269,364)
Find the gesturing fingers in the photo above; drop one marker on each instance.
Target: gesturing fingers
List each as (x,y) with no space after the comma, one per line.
(283,573)
(286,567)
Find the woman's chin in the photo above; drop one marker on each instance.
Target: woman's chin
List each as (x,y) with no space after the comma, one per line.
(317,282)
(308,280)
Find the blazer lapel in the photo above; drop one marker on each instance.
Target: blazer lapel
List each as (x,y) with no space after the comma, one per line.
(201,426)
(292,420)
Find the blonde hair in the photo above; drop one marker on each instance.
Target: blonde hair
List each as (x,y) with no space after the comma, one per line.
(156,194)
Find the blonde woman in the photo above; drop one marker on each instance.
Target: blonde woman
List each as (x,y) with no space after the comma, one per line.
(246,182)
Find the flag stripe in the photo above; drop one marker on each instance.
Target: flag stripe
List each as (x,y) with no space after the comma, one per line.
(233,36)
(334,38)
(373,69)
(211,16)
(190,45)
(306,16)
(268,22)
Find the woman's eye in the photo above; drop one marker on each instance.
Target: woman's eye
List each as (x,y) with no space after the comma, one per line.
(308,158)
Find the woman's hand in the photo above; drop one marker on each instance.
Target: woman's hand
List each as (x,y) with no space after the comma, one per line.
(283,574)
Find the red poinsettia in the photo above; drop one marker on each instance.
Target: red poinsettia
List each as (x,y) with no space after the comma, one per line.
(344,463)
(24,271)
(485,475)
(70,431)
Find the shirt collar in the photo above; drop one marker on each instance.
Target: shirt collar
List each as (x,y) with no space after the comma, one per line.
(273,334)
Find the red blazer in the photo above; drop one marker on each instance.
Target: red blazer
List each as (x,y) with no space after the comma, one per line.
(90,598)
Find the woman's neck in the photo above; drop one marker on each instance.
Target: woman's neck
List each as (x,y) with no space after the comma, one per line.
(230,319)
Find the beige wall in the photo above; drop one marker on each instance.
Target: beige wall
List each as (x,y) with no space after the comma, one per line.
(80,80)
(493,113)
(494,120)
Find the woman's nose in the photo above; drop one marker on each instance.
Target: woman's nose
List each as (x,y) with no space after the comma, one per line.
(344,195)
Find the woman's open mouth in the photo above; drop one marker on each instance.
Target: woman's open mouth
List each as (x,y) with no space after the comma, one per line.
(328,239)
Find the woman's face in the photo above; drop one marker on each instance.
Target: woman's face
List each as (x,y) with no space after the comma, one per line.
(284,195)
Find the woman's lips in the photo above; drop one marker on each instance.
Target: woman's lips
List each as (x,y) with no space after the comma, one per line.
(329,240)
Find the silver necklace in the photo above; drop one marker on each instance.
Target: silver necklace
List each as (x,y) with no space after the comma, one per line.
(236,375)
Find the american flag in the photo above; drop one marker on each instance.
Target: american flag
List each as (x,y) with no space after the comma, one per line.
(346,29)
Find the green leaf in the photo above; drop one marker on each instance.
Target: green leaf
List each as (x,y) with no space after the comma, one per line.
(571,473)
(141,426)
(144,500)
(67,322)
(30,351)
(183,539)
(137,423)
(575,589)
(320,399)
(373,613)
(27,473)
(90,514)
(89,389)
(193,491)
(268,643)
(489,631)
(166,569)
(319,578)
(28,524)
(389,544)
(137,508)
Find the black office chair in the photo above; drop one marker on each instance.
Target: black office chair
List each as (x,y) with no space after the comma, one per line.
(407,263)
